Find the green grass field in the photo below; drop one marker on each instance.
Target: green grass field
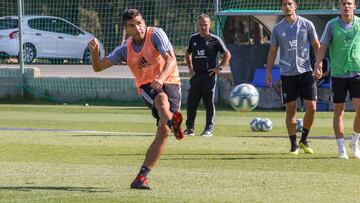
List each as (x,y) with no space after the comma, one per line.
(98,156)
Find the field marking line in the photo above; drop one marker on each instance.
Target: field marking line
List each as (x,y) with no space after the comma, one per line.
(74,131)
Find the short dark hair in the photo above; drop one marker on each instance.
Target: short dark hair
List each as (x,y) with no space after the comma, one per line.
(281,1)
(130,14)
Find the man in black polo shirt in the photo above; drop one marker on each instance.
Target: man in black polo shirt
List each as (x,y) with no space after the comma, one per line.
(201,58)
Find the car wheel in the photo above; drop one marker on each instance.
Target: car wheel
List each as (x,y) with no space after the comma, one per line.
(87,57)
(29,53)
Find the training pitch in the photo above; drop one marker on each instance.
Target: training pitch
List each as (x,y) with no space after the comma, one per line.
(65,153)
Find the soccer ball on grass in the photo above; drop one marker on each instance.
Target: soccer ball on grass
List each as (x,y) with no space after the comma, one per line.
(261,124)
(266,125)
(254,124)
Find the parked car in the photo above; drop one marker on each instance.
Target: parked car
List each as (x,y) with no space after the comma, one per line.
(47,37)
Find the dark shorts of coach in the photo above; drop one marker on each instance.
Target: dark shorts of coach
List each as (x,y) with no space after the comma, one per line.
(340,87)
(303,86)
(173,92)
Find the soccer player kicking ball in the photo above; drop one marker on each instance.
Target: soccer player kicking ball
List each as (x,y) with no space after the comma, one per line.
(150,57)
(295,35)
(342,36)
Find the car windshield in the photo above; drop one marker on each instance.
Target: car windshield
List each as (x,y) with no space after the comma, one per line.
(8,23)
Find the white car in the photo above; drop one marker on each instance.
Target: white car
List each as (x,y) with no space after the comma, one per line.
(45,37)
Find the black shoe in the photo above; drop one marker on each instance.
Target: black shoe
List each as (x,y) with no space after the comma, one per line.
(189,132)
(141,183)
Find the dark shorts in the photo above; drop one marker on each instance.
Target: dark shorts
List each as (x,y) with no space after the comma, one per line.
(303,86)
(173,91)
(340,87)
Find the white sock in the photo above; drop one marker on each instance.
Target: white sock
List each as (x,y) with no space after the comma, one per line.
(355,138)
(341,146)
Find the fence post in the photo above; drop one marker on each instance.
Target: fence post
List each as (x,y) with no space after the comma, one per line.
(20,57)
(217,32)
(216,10)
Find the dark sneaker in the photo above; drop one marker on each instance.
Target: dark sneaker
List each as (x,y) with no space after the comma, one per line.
(176,121)
(141,183)
(189,132)
(207,132)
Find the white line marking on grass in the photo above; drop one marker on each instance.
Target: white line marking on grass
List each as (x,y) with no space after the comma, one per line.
(74,131)
(310,137)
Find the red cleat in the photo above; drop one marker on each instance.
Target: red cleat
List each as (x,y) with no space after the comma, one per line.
(141,183)
(176,125)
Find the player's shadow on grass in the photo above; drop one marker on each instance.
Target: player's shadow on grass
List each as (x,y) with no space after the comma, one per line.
(69,189)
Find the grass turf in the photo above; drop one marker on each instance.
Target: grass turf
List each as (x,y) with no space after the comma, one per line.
(235,165)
